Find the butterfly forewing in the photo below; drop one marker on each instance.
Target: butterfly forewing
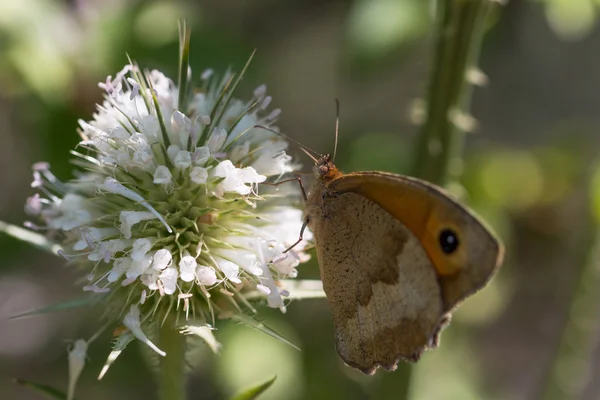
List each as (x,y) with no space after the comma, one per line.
(464,253)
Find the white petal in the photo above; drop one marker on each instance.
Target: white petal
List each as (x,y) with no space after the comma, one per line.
(77,356)
(274,114)
(110,184)
(201,155)
(205,119)
(137,268)
(122,157)
(187,268)
(263,289)
(233,181)
(73,213)
(150,279)
(161,259)
(207,73)
(217,139)
(139,248)
(89,238)
(162,175)
(141,157)
(224,169)
(272,159)
(265,103)
(120,343)
(119,133)
(231,270)
(150,127)
(95,289)
(183,159)
(260,91)
(132,321)
(33,206)
(206,275)
(99,253)
(274,299)
(129,218)
(179,119)
(245,259)
(181,126)
(249,175)
(116,245)
(204,332)
(169,279)
(172,152)
(199,175)
(135,88)
(120,265)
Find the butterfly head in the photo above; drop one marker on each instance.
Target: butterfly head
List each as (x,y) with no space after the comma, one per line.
(325,170)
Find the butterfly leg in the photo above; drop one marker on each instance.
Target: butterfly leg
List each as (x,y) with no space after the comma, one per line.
(304,225)
(297,179)
(306,220)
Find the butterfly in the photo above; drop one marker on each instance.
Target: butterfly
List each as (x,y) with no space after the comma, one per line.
(396,256)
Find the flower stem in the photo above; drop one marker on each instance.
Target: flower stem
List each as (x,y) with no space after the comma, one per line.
(172,366)
(459,32)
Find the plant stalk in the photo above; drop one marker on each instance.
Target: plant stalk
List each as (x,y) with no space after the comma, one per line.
(458,36)
(460,28)
(172,366)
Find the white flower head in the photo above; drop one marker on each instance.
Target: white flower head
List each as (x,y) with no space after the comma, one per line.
(167,203)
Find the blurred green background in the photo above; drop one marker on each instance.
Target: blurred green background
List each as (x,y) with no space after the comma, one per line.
(531,169)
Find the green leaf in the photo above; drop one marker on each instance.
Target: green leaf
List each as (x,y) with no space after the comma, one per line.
(39,241)
(47,391)
(253,323)
(228,90)
(253,392)
(66,305)
(231,90)
(235,124)
(184,63)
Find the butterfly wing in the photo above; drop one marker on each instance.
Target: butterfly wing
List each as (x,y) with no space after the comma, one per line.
(430,214)
(382,288)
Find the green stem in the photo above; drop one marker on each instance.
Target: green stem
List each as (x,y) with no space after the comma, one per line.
(172,366)
(459,32)
(460,29)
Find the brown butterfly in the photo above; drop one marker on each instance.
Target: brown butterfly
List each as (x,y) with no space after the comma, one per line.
(396,255)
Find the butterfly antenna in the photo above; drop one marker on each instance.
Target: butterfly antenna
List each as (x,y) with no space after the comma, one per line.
(337,126)
(310,155)
(305,148)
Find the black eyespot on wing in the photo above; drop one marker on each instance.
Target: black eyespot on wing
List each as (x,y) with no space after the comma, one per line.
(448,241)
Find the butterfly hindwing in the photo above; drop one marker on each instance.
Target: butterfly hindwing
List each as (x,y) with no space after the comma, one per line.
(381,286)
